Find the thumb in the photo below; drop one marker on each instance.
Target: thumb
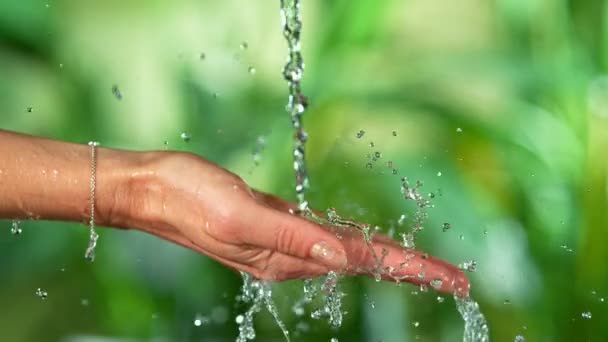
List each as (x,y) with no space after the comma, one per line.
(292,235)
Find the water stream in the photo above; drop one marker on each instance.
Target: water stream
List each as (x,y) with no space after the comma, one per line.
(258,294)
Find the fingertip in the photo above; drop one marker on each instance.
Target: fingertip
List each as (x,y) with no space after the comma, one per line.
(333,257)
(461,284)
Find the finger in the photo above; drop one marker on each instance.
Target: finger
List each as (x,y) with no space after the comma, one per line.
(291,235)
(275,202)
(280,204)
(279,267)
(386,257)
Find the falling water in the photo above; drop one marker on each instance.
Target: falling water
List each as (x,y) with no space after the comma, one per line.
(297,103)
(259,293)
(475,325)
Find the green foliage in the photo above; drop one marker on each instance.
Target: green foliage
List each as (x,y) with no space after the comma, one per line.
(507,99)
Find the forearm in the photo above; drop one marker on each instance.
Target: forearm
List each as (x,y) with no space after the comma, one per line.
(50,180)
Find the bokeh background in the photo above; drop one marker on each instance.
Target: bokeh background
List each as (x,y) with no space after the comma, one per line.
(500,107)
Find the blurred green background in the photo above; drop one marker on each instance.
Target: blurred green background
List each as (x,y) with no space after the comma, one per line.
(500,107)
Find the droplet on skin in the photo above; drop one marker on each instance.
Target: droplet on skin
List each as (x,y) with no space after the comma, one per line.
(436,283)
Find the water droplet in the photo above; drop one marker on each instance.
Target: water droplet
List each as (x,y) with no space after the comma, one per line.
(239,319)
(84,302)
(116,92)
(378,155)
(394,133)
(586,315)
(401,219)
(186,136)
(333,339)
(446,227)
(371,144)
(360,134)
(369,165)
(16,227)
(506,302)
(461,237)
(459,130)
(395,171)
(519,338)
(244,46)
(202,56)
(416,324)
(29,109)
(42,294)
(251,70)
(200,320)
(440,299)
(566,248)
(439,174)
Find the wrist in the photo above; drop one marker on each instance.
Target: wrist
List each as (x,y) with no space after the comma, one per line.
(131,190)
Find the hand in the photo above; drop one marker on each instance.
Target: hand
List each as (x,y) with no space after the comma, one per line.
(192,202)
(187,200)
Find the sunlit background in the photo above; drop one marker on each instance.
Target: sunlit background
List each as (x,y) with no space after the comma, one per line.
(500,107)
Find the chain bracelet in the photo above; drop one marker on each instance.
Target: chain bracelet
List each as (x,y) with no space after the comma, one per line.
(90,252)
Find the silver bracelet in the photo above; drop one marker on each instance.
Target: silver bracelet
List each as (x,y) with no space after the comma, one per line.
(90,252)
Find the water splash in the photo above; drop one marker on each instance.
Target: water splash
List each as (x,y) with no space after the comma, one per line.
(332,309)
(475,325)
(310,292)
(413,193)
(258,294)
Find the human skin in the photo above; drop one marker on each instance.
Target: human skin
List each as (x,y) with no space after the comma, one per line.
(190,201)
